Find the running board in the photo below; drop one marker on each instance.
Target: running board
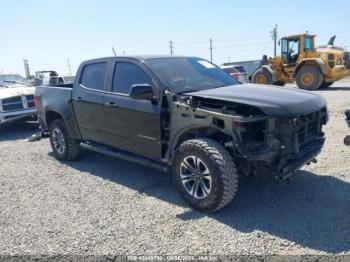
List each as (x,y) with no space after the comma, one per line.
(124,156)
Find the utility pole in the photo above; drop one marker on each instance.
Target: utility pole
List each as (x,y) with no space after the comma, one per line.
(171,47)
(274,38)
(69,67)
(211,50)
(26,68)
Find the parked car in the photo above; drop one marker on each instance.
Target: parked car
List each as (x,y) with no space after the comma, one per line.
(186,116)
(237,71)
(51,77)
(347,138)
(16,98)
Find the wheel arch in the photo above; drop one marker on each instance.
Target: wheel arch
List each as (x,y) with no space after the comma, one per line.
(269,70)
(52,114)
(316,62)
(211,132)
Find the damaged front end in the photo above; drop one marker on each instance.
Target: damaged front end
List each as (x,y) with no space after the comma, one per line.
(282,144)
(288,143)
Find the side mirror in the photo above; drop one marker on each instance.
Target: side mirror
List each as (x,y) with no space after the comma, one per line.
(279,42)
(141,92)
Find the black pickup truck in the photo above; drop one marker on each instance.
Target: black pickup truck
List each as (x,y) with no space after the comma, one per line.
(186,116)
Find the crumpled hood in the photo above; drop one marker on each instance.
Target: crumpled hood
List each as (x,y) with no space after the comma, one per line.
(16,91)
(271,100)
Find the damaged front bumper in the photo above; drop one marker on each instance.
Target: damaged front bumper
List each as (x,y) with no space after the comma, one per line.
(289,165)
(16,115)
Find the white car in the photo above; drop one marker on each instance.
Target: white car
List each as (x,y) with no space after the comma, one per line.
(236,71)
(16,98)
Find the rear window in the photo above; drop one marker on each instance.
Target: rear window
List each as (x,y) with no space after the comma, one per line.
(230,70)
(94,76)
(240,69)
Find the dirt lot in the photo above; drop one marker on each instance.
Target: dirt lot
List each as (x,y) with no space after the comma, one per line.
(100,205)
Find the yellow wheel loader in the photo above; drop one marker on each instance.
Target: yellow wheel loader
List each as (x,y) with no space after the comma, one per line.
(311,68)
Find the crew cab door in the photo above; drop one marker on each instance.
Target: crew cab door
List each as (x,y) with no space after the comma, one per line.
(88,101)
(133,125)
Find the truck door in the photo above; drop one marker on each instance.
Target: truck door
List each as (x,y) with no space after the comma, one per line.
(133,125)
(88,102)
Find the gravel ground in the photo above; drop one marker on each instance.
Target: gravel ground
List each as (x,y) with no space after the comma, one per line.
(101,205)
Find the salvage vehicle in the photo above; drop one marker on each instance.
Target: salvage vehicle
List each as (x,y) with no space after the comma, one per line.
(51,77)
(16,98)
(311,68)
(186,116)
(236,71)
(347,138)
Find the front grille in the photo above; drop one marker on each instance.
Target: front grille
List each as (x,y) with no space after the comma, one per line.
(16,99)
(12,104)
(309,126)
(30,101)
(12,107)
(331,60)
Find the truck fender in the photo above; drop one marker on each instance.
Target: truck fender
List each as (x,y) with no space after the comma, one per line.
(68,119)
(271,71)
(313,61)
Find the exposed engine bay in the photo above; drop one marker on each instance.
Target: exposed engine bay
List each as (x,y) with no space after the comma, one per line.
(282,143)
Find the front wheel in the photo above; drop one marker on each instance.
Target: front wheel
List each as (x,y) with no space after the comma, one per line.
(309,78)
(204,174)
(262,77)
(63,145)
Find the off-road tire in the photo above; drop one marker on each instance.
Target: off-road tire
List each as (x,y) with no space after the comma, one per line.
(309,78)
(72,148)
(222,169)
(326,84)
(262,76)
(279,83)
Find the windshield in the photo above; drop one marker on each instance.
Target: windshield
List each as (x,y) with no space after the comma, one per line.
(10,81)
(187,74)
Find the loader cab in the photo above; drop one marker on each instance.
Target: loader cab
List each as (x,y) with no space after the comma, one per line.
(294,46)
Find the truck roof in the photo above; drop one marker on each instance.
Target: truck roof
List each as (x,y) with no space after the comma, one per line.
(135,57)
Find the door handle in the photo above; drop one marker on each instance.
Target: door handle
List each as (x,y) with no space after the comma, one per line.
(111,104)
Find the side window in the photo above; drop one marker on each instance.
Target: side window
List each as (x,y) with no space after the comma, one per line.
(307,44)
(126,75)
(94,76)
(284,46)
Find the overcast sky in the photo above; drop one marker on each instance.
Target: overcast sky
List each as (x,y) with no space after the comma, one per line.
(48,33)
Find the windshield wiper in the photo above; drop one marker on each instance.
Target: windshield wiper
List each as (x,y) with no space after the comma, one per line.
(4,85)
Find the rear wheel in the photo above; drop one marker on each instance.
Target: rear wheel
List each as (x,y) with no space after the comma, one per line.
(63,145)
(204,174)
(326,84)
(262,77)
(309,78)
